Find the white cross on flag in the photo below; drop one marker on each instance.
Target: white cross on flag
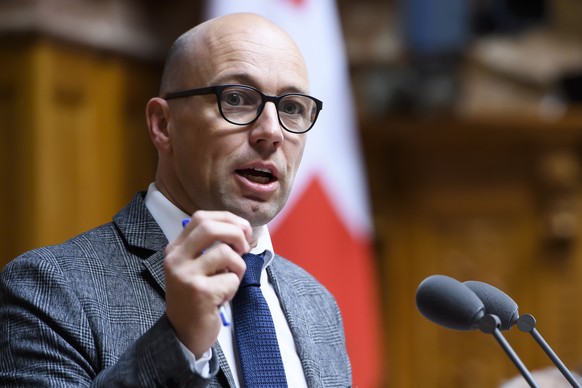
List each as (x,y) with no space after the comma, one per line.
(325,226)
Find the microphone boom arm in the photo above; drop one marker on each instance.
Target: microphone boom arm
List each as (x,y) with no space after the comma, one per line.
(527,323)
(489,324)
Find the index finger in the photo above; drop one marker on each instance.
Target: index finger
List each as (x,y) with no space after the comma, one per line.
(205,229)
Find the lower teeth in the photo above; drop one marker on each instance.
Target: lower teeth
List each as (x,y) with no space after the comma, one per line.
(258,179)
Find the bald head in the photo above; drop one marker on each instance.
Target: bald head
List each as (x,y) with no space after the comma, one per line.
(200,51)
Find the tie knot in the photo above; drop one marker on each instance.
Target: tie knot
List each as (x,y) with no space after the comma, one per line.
(252,276)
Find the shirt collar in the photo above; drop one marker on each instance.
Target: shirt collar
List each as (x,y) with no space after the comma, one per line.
(169,218)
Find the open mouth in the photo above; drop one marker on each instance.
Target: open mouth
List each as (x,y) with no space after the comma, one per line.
(262,176)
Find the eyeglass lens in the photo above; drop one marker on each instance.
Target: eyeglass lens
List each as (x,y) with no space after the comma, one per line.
(241,105)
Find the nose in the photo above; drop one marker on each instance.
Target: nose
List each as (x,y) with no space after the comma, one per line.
(267,130)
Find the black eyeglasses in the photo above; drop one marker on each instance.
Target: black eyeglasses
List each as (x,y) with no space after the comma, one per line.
(242,105)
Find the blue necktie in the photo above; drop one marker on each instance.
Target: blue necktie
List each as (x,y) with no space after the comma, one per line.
(258,350)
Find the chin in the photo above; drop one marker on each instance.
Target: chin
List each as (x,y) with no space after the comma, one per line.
(260,215)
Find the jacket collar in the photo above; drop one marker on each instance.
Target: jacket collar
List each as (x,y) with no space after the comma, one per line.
(138,227)
(143,237)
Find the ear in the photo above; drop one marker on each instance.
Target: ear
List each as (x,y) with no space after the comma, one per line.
(158,119)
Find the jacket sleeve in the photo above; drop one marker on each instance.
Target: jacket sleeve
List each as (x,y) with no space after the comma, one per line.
(155,359)
(49,337)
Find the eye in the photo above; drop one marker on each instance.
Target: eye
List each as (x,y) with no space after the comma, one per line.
(240,97)
(233,98)
(291,107)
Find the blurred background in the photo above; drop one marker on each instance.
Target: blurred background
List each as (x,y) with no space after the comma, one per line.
(470,119)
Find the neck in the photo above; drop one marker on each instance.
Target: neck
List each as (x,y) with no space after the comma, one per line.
(257,231)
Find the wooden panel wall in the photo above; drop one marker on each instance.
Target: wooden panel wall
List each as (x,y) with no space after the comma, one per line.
(74,145)
(490,201)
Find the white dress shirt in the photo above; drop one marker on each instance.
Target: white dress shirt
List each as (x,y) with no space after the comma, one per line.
(169,218)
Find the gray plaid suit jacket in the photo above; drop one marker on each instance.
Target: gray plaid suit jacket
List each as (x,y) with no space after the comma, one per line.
(90,311)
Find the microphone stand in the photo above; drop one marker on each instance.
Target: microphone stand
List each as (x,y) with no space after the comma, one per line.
(527,323)
(490,324)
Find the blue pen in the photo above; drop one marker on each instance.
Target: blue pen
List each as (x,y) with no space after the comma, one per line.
(221,309)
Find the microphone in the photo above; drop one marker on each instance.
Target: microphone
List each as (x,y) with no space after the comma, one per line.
(499,303)
(496,302)
(450,303)
(447,302)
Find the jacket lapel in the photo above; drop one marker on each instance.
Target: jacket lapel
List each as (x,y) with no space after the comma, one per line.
(224,368)
(145,239)
(295,314)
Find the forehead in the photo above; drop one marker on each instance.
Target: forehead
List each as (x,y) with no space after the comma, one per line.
(258,54)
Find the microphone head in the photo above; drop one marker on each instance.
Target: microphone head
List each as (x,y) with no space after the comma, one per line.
(449,303)
(496,302)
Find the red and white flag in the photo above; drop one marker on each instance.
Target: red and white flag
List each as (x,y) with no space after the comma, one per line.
(326,225)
